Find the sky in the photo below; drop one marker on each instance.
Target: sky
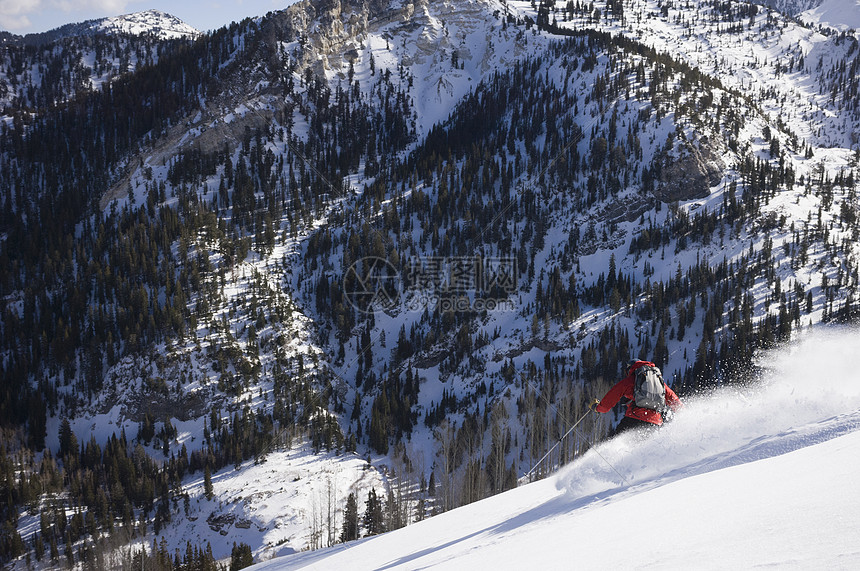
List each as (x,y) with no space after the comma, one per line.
(29,16)
(758,476)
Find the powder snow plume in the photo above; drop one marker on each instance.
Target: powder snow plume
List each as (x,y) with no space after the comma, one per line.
(806,392)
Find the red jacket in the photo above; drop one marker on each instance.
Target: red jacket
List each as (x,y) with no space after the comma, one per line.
(624,388)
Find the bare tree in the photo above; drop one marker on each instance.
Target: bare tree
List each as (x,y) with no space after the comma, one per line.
(331,515)
(314,540)
(445,439)
(499,432)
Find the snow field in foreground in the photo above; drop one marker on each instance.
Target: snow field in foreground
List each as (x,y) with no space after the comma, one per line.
(808,392)
(741,478)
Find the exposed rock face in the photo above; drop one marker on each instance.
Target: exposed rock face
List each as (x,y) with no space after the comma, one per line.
(626,209)
(791,7)
(689,171)
(338,27)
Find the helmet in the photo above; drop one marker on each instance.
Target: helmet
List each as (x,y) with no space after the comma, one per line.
(632,362)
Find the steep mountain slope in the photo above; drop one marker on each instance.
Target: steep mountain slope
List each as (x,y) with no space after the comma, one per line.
(153,23)
(573,233)
(423,233)
(792,7)
(150,22)
(838,14)
(39,71)
(736,480)
(800,78)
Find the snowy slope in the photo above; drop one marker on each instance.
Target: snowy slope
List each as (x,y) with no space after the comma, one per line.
(759,60)
(840,14)
(713,435)
(155,22)
(791,7)
(90,54)
(738,480)
(448,47)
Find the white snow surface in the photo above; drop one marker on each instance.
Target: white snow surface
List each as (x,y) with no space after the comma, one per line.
(840,14)
(763,476)
(156,22)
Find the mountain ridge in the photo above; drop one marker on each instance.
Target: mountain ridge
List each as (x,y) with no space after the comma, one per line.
(217,223)
(147,22)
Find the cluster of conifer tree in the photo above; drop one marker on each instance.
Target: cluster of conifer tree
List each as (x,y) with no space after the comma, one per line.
(95,287)
(42,71)
(83,289)
(456,196)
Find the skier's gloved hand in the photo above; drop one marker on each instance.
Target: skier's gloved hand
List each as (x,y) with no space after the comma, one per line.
(593,405)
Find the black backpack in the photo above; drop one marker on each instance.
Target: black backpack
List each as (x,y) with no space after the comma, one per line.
(649,391)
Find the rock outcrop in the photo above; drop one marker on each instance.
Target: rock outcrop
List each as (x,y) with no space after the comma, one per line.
(689,171)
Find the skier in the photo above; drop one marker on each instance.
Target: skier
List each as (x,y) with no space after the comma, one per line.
(650,416)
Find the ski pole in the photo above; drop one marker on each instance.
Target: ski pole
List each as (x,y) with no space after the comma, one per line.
(575,424)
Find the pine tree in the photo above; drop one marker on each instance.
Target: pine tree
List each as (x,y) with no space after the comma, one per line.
(241,557)
(374,519)
(208,488)
(350,519)
(68,441)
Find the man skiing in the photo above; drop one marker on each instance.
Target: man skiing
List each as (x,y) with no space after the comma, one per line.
(645,381)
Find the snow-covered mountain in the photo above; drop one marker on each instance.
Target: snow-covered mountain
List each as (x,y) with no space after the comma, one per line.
(763,476)
(839,14)
(150,22)
(396,246)
(38,71)
(791,7)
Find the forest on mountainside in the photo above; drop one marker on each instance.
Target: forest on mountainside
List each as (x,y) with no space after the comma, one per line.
(457,196)
(88,289)
(542,165)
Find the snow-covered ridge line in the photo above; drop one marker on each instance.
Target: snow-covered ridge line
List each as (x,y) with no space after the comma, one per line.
(161,24)
(839,14)
(780,64)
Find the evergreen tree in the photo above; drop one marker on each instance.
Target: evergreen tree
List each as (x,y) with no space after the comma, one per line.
(241,556)
(374,518)
(350,519)
(208,488)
